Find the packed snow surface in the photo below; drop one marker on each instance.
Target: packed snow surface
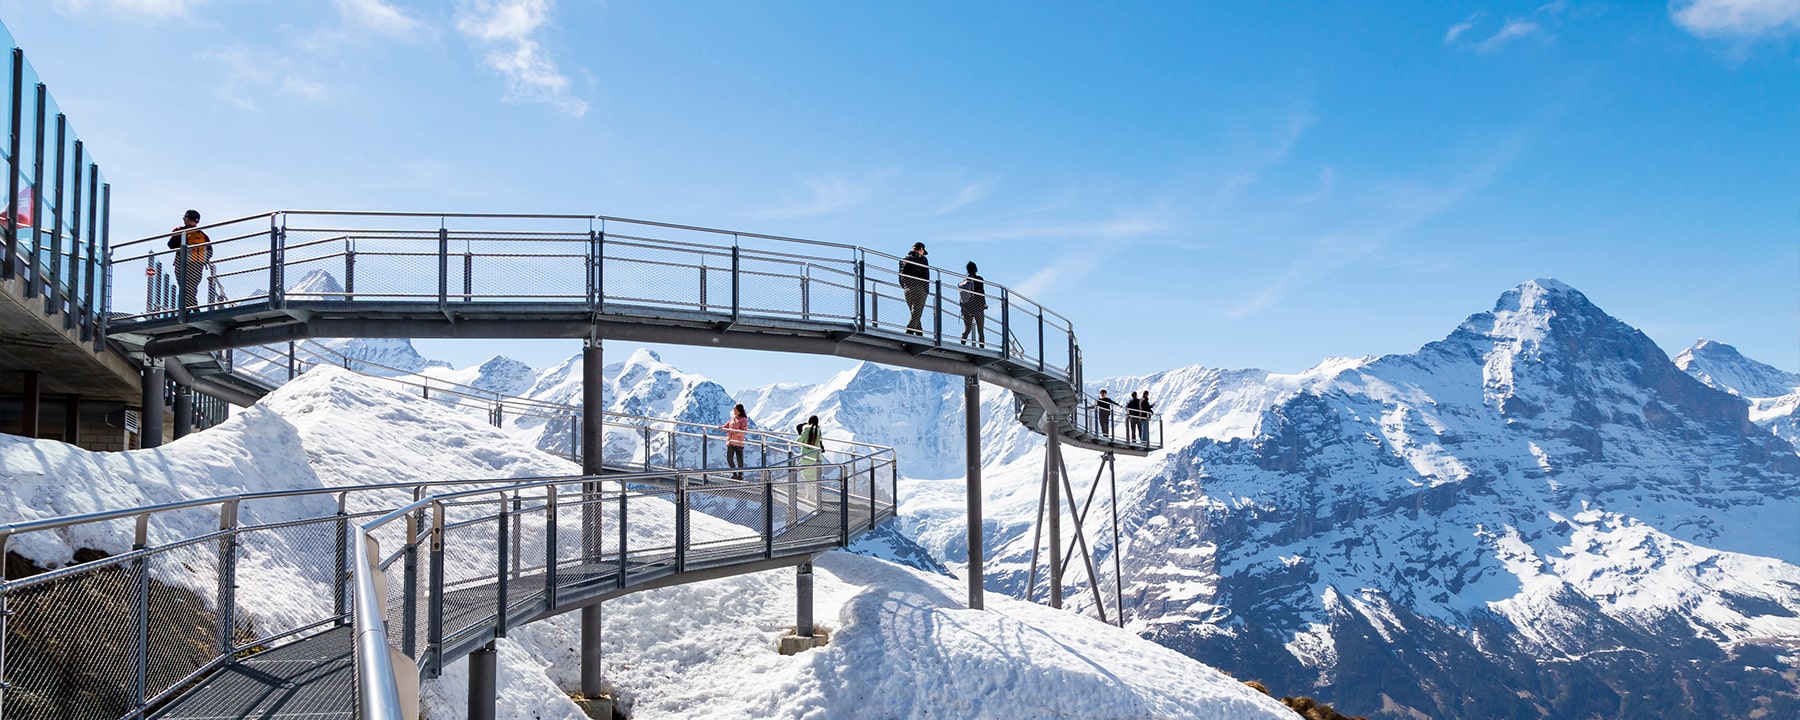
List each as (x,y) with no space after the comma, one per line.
(902,645)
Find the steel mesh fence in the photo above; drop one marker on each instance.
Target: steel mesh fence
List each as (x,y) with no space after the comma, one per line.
(277,596)
(522,267)
(182,632)
(72,644)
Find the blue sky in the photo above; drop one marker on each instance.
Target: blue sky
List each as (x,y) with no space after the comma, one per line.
(1232,185)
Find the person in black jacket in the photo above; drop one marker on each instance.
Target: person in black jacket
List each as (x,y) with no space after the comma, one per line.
(915,279)
(974,307)
(1145,410)
(1132,407)
(1103,412)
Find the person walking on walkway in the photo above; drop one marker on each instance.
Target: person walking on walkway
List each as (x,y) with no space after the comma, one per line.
(1132,407)
(734,439)
(814,439)
(193,252)
(1103,413)
(915,279)
(974,307)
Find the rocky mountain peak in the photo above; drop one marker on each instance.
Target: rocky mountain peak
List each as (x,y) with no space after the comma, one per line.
(1721,366)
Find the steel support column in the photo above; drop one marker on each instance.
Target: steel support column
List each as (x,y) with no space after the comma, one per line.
(592,434)
(184,410)
(150,426)
(484,673)
(803,600)
(1053,477)
(72,419)
(32,409)
(972,460)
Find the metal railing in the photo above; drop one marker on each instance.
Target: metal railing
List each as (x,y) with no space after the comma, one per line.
(635,441)
(159,596)
(602,264)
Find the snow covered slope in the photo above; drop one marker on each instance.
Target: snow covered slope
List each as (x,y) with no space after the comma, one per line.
(901,644)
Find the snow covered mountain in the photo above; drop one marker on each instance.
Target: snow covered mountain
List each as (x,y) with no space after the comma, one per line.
(1773,394)
(1540,515)
(901,643)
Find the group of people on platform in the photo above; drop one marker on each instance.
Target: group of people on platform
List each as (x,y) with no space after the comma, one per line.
(808,434)
(1137,416)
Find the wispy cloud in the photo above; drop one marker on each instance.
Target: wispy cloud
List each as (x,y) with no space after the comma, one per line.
(1458,29)
(379,17)
(1402,207)
(1514,29)
(510,27)
(823,196)
(1299,120)
(249,74)
(1737,18)
(970,194)
(1074,248)
(153,8)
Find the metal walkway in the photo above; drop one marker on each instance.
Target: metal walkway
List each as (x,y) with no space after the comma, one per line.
(289,275)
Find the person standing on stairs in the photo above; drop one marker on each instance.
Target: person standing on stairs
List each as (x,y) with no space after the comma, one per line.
(734,439)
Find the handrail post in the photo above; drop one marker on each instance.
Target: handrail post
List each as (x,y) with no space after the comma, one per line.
(468,276)
(549,546)
(940,309)
(443,267)
(624,548)
(409,598)
(1005,324)
(736,280)
(595,276)
(143,622)
(681,523)
(228,548)
(1040,334)
(349,268)
(768,515)
(340,586)
(862,296)
(434,622)
(277,238)
(843,507)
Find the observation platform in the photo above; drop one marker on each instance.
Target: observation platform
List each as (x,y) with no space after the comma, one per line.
(290,275)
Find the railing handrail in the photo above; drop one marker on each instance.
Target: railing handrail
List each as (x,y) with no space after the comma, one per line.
(561,410)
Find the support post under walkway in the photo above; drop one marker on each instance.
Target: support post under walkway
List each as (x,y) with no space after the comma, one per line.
(972,453)
(593,358)
(184,410)
(150,425)
(30,411)
(484,666)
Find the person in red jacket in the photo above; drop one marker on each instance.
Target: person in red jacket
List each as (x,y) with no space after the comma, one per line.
(194,251)
(734,438)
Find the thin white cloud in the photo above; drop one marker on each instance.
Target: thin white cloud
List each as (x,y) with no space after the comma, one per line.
(824,195)
(1737,18)
(1299,120)
(970,193)
(378,17)
(1514,29)
(1458,29)
(510,27)
(249,74)
(153,8)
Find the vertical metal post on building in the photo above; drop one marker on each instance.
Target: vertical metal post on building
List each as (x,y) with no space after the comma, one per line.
(592,408)
(184,410)
(151,426)
(38,274)
(98,311)
(9,262)
(972,461)
(31,410)
(70,319)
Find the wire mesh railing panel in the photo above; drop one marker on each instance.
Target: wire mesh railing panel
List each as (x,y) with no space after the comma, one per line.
(641,273)
(649,517)
(183,620)
(72,645)
(528,268)
(736,515)
(770,286)
(278,595)
(470,592)
(828,293)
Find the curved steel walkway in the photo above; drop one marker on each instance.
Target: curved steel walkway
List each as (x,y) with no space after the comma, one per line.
(161,631)
(293,274)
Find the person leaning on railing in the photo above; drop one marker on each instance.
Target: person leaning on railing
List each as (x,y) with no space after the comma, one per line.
(190,261)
